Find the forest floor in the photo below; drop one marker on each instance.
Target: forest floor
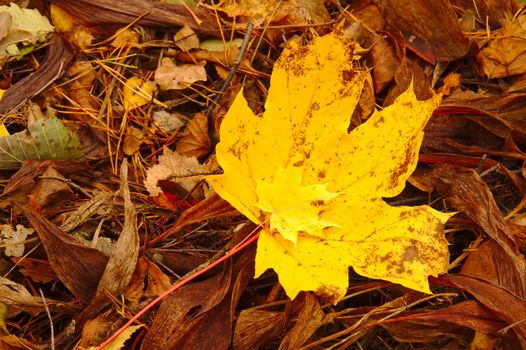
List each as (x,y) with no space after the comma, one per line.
(123,226)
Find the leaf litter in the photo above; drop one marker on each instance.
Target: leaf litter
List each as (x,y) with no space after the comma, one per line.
(348,133)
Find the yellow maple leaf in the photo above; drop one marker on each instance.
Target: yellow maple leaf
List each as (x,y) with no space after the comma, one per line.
(319,187)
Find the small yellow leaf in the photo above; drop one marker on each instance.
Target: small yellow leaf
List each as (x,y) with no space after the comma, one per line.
(321,188)
(3,316)
(3,130)
(62,20)
(137,93)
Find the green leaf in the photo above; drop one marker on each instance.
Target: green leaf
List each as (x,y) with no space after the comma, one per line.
(45,139)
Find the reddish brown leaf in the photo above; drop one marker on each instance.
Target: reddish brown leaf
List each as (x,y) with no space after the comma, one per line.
(430,23)
(506,305)
(80,268)
(449,320)
(23,182)
(257,328)
(58,56)
(199,315)
(195,141)
(474,163)
(211,207)
(507,108)
(480,263)
(497,12)
(469,194)
(101,13)
(147,281)
(310,317)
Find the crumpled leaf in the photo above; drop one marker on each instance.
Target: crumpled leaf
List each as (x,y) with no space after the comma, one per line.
(505,55)
(20,27)
(186,39)
(13,239)
(171,76)
(284,11)
(185,170)
(320,187)
(44,139)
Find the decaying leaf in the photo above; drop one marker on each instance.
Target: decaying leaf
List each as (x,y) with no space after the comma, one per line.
(44,139)
(284,11)
(321,188)
(195,141)
(20,27)
(80,268)
(168,121)
(185,170)
(186,39)
(506,54)
(121,264)
(171,76)
(13,239)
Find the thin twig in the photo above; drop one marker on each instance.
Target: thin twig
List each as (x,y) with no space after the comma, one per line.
(67,181)
(52,345)
(233,70)
(201,269)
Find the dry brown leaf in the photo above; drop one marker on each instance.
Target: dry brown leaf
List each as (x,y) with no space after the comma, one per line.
(480,263)
(147,281)
(497,12)
(168,122)
(310,317)
(77,266)
(97,330)
(209,208)
(126,37)
(133,139)
(508,306)
(505,54)
(98,204)
(171,76)
(12,342)
(468,193)
(23,183)
(105,14)
(296,12)
(80,89)
(433,37)
(121,264)
(186,39)
(35,269)
(195,141)
(255,329)
(199,315)
(59,55)
(52,191)
(173,165)
(452,321)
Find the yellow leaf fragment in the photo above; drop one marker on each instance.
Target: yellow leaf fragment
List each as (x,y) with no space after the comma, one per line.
(62,20)
(137,93)
(3,130)
(321,188)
